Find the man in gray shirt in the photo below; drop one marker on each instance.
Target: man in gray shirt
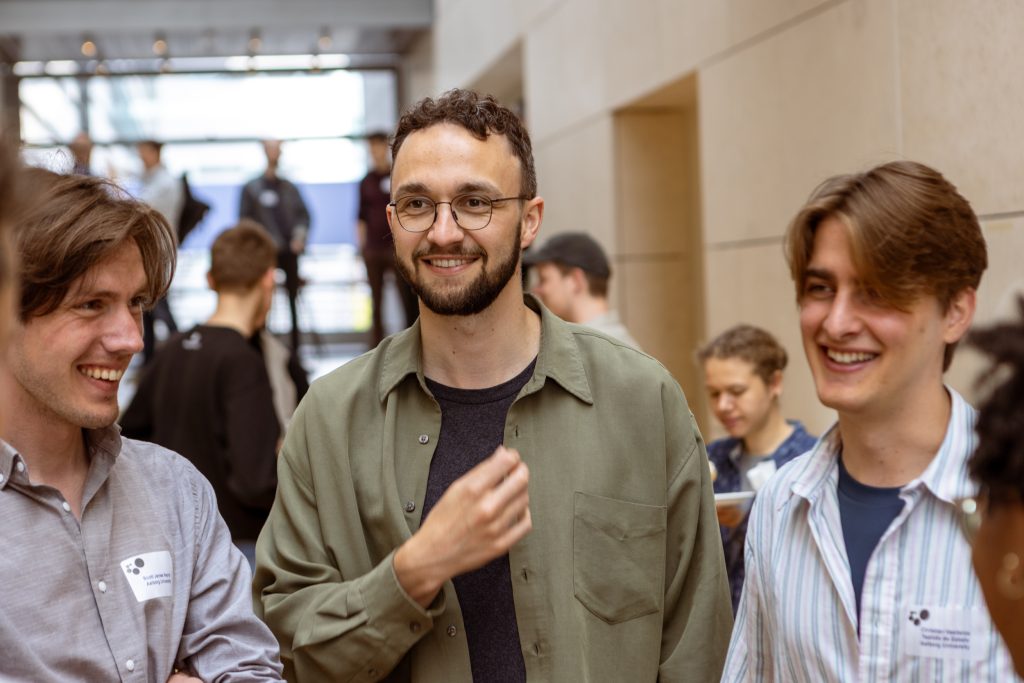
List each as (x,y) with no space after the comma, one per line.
(116,564)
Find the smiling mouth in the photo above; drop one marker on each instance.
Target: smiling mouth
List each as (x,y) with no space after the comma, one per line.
(103,374)
(448,262)
(849,357)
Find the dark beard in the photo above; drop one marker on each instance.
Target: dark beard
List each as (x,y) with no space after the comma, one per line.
(477,295)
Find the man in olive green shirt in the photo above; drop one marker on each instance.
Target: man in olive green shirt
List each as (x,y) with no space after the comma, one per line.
(588,534)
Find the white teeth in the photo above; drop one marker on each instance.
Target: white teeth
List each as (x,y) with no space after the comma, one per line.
(103,373)
(850,357)
(449,262)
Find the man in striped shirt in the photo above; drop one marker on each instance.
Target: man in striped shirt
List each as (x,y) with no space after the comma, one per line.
(856,567)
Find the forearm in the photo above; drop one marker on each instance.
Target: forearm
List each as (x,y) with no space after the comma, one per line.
(335,630)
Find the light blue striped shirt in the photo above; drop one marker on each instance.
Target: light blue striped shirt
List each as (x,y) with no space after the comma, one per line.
(797,617)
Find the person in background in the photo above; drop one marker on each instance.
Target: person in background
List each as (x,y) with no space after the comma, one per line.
(375,243)
(116,564)
(572,280)
(855,566)
(277,205)
(207,394)
(165,193)
(743,377)
(492,494)
(81,154)
(995,517)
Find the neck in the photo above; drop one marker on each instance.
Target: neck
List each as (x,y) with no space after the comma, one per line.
(53,449)
(241,312)
(271,171)
(894,449)
(482,350)
(770,436)
(588,307)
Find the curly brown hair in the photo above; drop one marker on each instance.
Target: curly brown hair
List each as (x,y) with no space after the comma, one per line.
(481,116)
(74,223)
(998,461)
(751,344)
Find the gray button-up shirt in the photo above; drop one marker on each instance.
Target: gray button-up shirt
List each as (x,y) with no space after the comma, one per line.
(148,580)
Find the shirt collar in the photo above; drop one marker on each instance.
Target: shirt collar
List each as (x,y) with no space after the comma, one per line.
(104,446)
(559,357)
(946,475)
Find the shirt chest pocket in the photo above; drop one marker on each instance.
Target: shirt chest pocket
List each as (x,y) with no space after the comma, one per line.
(618,557)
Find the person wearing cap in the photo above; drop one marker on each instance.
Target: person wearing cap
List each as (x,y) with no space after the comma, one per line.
(572,281)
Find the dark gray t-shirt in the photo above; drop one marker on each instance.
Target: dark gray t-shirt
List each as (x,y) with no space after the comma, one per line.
(472,427)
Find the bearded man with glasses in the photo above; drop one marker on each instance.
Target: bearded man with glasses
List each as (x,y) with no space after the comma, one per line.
(492,494)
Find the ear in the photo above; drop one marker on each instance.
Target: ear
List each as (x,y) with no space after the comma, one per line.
(533,215)
(391,218)
(268,280)
(775,384)
(959,315)
(579,280)
(209,281)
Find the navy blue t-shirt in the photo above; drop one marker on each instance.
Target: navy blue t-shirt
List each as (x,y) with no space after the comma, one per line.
(866,512)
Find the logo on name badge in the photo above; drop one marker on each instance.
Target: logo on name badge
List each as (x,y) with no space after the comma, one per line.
(945,632)
(149,575)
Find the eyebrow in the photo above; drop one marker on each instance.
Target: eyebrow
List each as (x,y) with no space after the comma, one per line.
(819,274)
(477,187)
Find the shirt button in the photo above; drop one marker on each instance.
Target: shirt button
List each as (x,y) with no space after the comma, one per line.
(410,506)
(414,626)
(102,585)
(424,439)
(452,630)
(130,665)
(20,467)
(66,505)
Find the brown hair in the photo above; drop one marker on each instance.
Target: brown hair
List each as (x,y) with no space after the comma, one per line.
(751,344)
(76,222)
(481,116)
(9,201)
(998,461)
(911,234)
(240,256)
(597,285)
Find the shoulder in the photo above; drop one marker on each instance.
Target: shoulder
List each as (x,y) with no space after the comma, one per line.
(719,449)
(153,471)
(356,380)
(599,349)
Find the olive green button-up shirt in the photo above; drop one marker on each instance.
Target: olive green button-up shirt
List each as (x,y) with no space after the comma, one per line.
(621,579)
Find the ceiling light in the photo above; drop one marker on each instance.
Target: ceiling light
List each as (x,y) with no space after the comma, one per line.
(255,42)
(160,45)
(88,48)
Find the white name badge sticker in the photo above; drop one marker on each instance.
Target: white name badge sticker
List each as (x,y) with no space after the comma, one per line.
(945,632)
(149,575)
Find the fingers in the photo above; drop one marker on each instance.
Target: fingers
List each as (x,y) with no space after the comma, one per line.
(490,473)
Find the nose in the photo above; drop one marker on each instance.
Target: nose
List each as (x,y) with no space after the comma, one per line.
(723,402)
(124,331)
(842,319)
(445,230)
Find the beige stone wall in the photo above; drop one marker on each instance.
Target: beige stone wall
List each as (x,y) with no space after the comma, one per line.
(787,93)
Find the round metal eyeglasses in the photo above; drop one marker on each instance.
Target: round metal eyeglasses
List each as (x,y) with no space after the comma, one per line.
(470,211)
